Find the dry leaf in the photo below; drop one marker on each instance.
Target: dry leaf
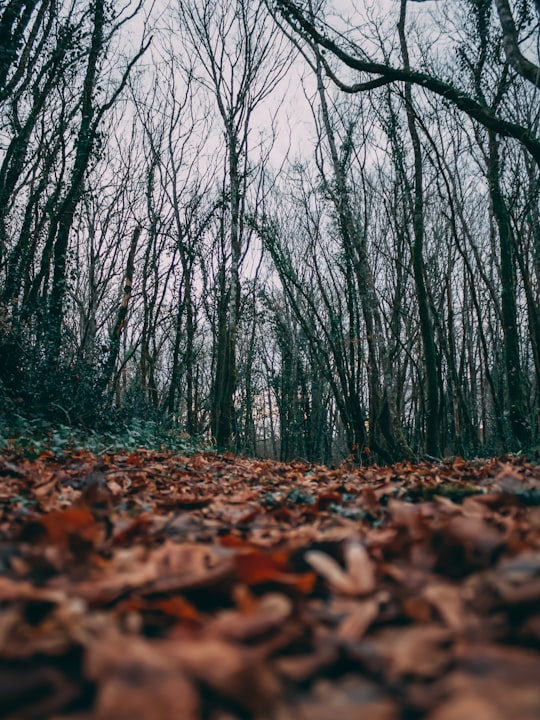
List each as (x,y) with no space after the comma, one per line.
(357,579)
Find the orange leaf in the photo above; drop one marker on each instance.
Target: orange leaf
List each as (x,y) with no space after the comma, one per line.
(138,527)
(61,525)
(255,568)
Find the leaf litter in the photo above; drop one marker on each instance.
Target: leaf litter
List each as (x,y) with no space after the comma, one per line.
(151,585)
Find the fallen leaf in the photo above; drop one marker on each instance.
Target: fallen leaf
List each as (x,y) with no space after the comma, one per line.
(63,528)
(357,579)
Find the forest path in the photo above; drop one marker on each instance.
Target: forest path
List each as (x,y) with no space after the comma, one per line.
(151,585)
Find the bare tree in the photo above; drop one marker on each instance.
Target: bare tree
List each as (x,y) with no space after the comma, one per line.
(55,57)
(243,59)
(316,32)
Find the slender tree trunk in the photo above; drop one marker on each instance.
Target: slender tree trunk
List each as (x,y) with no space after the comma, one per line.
(116,334)
(226,374)
(60,229)
(383,439)
(432,420)
(514,379)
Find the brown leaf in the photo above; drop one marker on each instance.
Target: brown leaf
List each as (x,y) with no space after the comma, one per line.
(62,527)
(504,680)
(478,539)
(234,672)
(34,691)
(298,668)
(137,680)
(467,706)
(359,576)
(351,698)
(254,620)
(517,579)
(356,623)
(447,599)
(422,651)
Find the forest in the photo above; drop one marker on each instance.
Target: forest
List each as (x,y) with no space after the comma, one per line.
(269,359)
(287,229)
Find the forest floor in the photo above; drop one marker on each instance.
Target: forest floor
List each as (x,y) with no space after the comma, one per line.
(155,586)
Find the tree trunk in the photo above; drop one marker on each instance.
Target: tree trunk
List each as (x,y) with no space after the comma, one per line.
(517,413)
(432,420)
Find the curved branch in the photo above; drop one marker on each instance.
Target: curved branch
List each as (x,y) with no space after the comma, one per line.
(388,74)
(515,57)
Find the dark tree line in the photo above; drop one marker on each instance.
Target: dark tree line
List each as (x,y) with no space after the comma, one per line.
(282,230)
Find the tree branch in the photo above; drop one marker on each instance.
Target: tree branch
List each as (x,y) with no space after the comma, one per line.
(388,74)
(515,57)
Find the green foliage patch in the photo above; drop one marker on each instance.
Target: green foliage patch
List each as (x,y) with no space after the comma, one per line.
(31,436)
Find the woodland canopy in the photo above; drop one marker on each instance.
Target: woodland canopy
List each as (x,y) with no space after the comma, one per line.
(292,229)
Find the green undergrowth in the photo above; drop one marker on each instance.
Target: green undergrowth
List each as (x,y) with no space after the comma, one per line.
(30,436)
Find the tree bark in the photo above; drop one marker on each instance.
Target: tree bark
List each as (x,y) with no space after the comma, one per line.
(432,420)
(514,377)
(119,325)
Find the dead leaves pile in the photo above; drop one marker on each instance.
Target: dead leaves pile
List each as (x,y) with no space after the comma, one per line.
(158,586)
